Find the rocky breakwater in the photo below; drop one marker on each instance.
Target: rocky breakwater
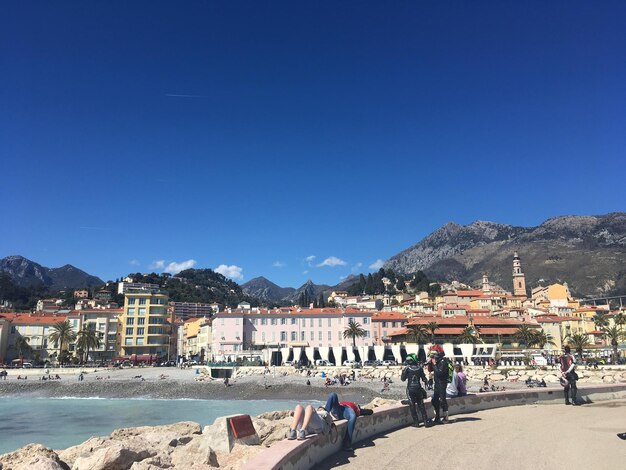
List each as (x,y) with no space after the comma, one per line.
(550,376)
(183,446)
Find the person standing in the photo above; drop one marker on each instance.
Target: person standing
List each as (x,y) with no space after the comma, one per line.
(441,372)
(567,366)
(413,374)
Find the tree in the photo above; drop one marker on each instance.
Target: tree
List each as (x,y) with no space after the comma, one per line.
(432,327)
(354,331)
(541,338)
(613,335)
(578,342)
(88,339)
(600,320)
(22,348)
(401,285)
(469,335)
(524,334)
(620,320)
(63,334)
(418,333)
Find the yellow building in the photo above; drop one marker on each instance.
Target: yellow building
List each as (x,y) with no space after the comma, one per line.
(144,326)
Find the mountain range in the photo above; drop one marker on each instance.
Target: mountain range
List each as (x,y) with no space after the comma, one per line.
(587,252)
(27,273)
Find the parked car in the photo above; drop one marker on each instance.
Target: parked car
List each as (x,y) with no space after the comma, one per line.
(389,362)
(289,363)
(27,365)
(370,363)
(350,364)
(322,362)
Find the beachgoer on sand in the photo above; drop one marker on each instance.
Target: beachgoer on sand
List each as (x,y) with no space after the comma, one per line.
(414,375)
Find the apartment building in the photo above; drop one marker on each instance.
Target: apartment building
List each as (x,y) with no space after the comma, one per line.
(145,325)
(36,329)
(186,310)
(105,322)
(289,334)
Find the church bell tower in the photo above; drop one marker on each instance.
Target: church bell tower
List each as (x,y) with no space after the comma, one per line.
(519,280)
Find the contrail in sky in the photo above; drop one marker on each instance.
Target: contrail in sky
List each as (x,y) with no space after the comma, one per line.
(180,95)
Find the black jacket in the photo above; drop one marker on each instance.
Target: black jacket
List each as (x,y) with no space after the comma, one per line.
(413,374)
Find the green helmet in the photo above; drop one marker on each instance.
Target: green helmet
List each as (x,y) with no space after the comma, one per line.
(411,359)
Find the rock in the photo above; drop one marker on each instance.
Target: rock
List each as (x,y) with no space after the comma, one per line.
(379,401)
(276,415)
(70,454)
(271,431)
(183,428)
(197,452)
(496,377)
(608,379)
(112,457)
(551,378)
(32,456)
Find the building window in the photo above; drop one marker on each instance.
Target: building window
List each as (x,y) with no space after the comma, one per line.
(330,322)
(366,320)
(130,321)
(294,336)
(131,311)
(139,341)
(303,322)
(319,322)
(131,300)
(141,321)
(330,336)
(319,336)
(141,311)
(129,331)
(293,321)
(283,336)
(283,321)
(142,301)
(128,342)
(273,336)
(263,321)
(273,321)
(302,336)
(263,336)
(253,334)
(140,331)
(311,323)
(312,335)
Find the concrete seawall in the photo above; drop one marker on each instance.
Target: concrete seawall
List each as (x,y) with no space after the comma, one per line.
(302,455)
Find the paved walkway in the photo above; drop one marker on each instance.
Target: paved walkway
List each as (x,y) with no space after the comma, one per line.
(533,437)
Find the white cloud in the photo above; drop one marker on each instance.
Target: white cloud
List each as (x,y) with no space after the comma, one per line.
(157,264)
(134,262)
(356,267)
(332,262)
(278,264)
(377,264)
(309,259)
(305,271)
(233,272)
(175,268)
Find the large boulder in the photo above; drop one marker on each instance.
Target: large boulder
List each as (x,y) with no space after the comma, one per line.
(271,430)
(551,378)
(608,379)
(112,457)
(32,456)
(496,377)
(196,454)
(70,454)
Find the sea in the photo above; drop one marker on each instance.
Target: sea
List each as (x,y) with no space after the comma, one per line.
(59,423)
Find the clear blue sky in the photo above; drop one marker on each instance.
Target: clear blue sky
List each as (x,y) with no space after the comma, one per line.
(259,134)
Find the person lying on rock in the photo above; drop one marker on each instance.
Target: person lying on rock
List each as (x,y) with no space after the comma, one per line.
(309,421)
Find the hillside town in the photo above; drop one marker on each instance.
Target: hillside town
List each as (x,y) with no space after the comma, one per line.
(472,324)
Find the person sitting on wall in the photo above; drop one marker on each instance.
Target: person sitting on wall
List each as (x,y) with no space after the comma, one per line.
(349,411)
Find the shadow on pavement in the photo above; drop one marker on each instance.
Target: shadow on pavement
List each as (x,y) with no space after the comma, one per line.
(342,457)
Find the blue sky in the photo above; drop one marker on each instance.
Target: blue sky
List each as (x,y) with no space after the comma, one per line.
(299,140)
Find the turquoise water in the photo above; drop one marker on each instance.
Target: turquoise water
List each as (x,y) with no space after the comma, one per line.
(63,422)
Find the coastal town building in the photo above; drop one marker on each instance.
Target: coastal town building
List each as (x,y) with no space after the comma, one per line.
(519,279)
(145,325)
(384,323)
(81,294)
(35,328)
(105,322)
(186,310)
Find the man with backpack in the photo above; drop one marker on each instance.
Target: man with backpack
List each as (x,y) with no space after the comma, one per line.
(567,365)
(442,370)
(413,374)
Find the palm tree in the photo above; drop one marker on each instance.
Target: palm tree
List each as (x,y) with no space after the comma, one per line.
(620,320)
(524,334)
(469,335)
(614,335)
(541,338)
(432,327)
(353,331)
(417,332)
(22,347)
(600,320)
(63,333)
(88,339)
(579,342)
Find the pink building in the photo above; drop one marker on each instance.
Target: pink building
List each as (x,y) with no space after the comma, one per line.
(290,334)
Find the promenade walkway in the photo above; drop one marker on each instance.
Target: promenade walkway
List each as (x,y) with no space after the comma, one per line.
(532,437)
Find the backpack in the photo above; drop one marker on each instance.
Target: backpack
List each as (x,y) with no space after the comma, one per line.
(450,371)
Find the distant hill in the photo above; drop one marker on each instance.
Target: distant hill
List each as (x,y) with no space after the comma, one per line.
(26,273)
(267,291)
(587,252)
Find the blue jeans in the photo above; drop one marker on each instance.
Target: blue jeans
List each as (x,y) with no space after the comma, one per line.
(342,412)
